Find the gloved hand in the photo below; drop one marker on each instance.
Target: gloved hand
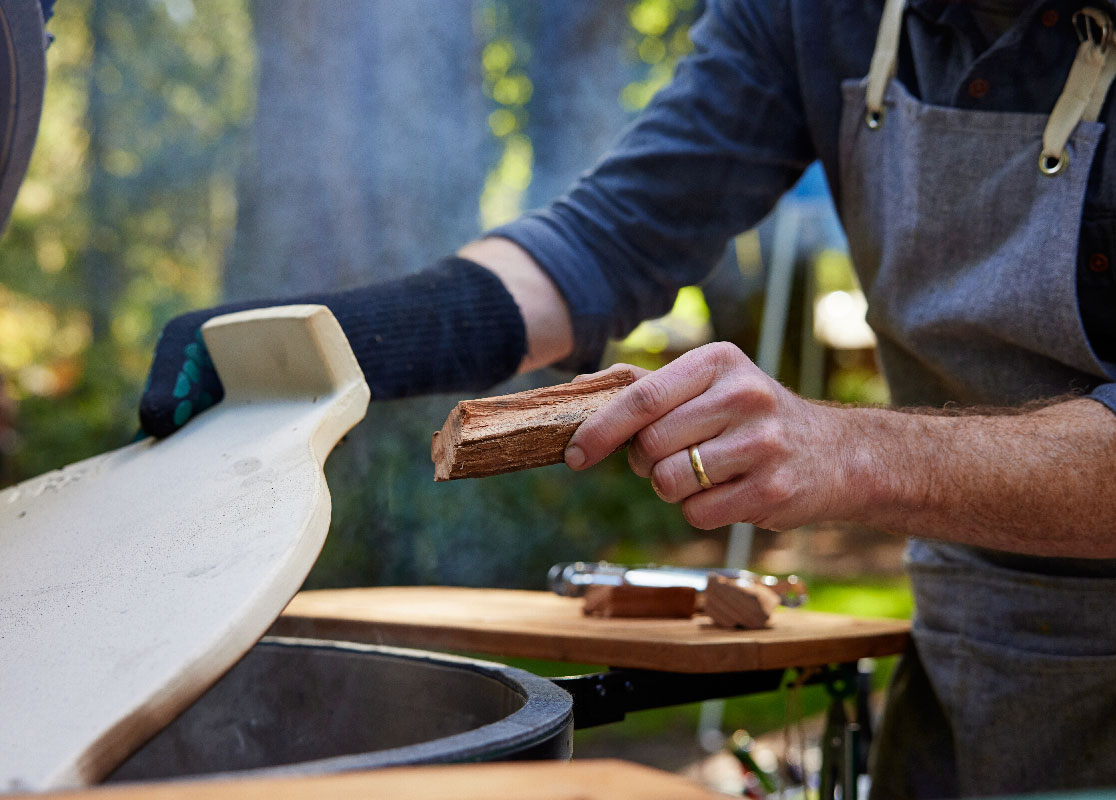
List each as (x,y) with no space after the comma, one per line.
(451,327)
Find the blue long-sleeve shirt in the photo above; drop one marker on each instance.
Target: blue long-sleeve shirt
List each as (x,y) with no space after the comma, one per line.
(756,102)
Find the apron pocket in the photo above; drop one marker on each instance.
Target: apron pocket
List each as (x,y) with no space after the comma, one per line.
(1023,721)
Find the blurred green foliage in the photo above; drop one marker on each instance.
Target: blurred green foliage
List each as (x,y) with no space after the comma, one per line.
(504,61)
(125,214)
(659,37)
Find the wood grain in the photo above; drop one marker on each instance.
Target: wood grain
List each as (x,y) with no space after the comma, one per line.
(518,431)
(131,581)
(543,625)
(731,604)
(603,779)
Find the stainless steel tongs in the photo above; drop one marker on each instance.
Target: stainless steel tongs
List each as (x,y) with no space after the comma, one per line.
(572,578)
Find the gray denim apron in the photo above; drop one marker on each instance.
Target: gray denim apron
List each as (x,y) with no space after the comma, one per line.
(967,250)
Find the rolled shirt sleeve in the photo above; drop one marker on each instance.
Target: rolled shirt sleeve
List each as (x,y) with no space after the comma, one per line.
(707,159)
(1105,394)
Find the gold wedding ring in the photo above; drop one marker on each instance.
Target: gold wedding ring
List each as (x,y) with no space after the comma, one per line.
(699,470)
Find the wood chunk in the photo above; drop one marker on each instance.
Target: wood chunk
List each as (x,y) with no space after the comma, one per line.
(735,605)
(518,431)
(640,601)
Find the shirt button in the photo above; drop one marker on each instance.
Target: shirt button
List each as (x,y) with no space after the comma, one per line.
(979,88)
(1050,18)
(1098,262)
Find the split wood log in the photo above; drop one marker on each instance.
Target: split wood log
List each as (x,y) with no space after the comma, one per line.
(735,605)
(678,602)
(518,431)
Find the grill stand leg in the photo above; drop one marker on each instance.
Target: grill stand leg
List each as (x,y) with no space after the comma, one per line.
(845,741)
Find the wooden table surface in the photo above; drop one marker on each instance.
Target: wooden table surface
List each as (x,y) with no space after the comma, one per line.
(537,780)
(543,625)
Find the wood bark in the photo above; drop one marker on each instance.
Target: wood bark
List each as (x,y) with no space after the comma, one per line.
(518,431)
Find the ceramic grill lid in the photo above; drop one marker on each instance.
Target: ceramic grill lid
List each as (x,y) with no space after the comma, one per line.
(131,581)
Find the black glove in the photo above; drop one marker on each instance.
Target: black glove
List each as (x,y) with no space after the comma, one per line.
(451,327)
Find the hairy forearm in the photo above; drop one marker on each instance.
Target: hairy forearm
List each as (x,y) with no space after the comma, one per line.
(1035,482)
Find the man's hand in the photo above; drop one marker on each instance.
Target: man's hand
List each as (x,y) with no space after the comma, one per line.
(759,442)
(1031,482)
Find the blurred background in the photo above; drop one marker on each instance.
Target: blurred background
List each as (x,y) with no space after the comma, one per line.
(192,151)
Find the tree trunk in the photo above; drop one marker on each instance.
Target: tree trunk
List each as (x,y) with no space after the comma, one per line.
(369,147)
(101,276)
(578,68)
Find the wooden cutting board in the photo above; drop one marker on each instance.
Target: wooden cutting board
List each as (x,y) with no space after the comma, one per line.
(131,581)
(508,622)
(603,779)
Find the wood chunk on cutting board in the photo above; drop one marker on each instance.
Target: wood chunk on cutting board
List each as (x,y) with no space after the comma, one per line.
(518,431)
(677,602)
(735,605)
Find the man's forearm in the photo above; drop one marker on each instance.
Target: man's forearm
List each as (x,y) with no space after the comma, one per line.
(1035,482)
(545,315)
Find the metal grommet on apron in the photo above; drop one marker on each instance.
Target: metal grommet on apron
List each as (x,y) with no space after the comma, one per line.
(971,279)
(1086,87)
(1052,165)
(884,59)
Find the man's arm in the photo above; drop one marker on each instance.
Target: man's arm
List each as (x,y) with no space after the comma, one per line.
(546,318)
(1030,482)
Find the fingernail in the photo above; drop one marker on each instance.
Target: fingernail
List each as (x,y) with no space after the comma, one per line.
(574,457)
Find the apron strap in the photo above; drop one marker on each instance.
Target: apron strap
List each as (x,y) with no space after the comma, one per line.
(1090,76)
(884,59)
(1104,81)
